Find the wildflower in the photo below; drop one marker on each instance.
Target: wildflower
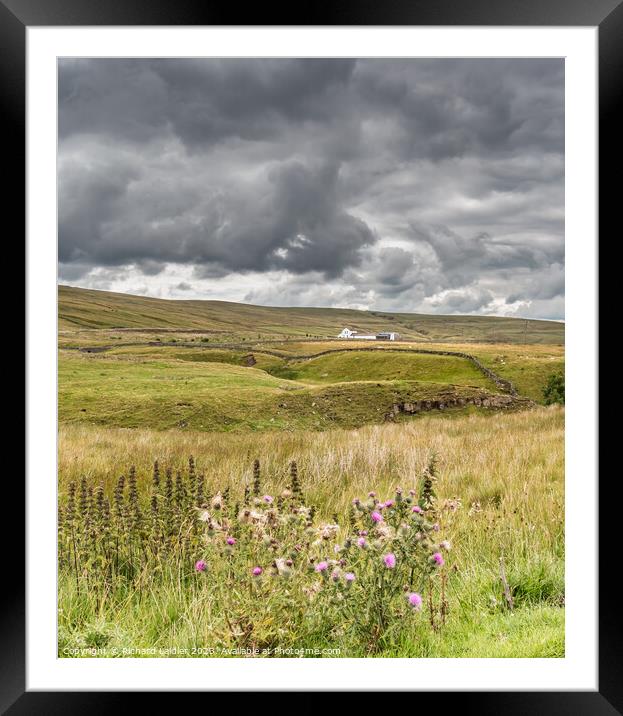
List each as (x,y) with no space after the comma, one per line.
(231,541)
(200,566)
(256,571)
(283,566)
(252,517)
(335,575)
(417,509)
(412,493)
(286,494)
(385,531)
(376,516)
(415,600)
(349,577)
(361,542)
(474,508)
(356,501)
(312,590)
(268,499)
(328,531)
(389,560)
(452,505)
(322,567)
(371,494)
(363,533)
(388,503)
(436,527)
(217,501)
(445,545)
(438,559)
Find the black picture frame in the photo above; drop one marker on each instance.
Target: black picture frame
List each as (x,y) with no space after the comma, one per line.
(17,15)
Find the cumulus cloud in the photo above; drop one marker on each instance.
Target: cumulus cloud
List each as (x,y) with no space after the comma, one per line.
(393,184)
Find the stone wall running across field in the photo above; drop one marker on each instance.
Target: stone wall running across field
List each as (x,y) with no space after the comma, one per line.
(500,382)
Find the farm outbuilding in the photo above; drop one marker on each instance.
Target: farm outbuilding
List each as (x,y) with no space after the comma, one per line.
(387,336)
(382,336)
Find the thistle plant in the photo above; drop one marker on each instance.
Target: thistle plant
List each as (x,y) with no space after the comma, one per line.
(156,476)
(199,491)
(260,559)
(257,486)
(295,484)
(427,492)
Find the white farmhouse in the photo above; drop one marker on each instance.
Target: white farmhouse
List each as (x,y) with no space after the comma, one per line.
(383,336)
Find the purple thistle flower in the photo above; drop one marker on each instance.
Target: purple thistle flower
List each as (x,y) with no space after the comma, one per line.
(231,540)
(445,545)
(389,503)
(436,527)
(415,600)
(335,575)
(256,571)
(200,566)
(376,516)
(349,577)
(322,567)
(438,559)
(371,494)
(417,509)
(389,560)
(268,499)
(361,542)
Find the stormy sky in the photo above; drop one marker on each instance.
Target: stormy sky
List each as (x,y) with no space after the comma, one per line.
(427,185)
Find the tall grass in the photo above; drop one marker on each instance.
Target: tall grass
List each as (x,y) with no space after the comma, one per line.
(499,497)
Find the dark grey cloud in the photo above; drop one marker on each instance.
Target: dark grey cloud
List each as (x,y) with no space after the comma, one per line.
(398,184)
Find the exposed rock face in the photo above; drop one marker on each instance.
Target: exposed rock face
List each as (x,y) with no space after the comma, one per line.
(486,400)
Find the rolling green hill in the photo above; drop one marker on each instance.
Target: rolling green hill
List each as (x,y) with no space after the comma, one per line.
(80,309)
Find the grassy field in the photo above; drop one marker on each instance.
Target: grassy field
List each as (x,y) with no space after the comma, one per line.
(500,493)
(143,379)
(221,321)
(165,388)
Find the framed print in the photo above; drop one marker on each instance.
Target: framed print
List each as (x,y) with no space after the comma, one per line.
(312,352)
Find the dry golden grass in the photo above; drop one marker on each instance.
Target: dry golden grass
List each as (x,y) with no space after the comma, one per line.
(503,457)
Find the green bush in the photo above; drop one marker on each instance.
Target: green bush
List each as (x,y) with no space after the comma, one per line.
(554,390)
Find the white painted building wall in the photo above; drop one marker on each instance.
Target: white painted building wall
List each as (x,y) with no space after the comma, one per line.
(347,333)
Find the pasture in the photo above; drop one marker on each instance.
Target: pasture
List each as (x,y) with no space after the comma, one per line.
(142,380)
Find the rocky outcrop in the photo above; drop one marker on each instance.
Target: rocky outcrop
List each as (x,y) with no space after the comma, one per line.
(444,402)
